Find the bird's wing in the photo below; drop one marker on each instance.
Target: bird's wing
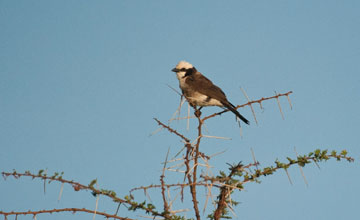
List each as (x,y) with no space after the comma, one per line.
(204,86)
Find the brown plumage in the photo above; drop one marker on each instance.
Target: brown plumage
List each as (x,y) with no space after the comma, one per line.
(200,91)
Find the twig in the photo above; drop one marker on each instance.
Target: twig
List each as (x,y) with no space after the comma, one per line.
(187,141)
(172,131)
(168,186)
(224,192)
(248,103)
(77,186)
(166,207)
(149,217)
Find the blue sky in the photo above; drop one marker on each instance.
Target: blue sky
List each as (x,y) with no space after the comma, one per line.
(82,80)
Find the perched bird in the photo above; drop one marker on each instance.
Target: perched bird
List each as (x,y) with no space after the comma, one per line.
(200,91)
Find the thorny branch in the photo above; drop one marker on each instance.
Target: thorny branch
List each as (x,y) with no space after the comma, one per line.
(226,185)
(73,210)
(166,206)
(193,153)
(181,185)
(78,186)
(259,101)
(230,183)
(224,193)
(239,175)
(172,130)
(187,141)
(194,173)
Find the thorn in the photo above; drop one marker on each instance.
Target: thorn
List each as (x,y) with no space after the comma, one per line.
(301,170)
(188,118)
(288,98)
(277,99)
(253,156)
(61,191)
(97,201)
(287,173)
(252,109)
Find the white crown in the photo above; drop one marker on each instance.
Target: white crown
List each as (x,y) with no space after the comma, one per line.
(184,64)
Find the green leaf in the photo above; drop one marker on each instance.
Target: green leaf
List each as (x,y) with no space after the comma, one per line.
(333,153)
(92,183)
(343,153)
(290,160)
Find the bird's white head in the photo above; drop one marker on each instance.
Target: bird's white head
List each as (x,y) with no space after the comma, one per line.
(184,65)
(181,69)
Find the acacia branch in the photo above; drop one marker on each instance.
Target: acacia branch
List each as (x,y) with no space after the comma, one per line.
(259,101)
(187,141)
(224,193)
(197,155)
(181,185)
(230,183)
(166,206)
(172,130)
(78,186)
(73,210)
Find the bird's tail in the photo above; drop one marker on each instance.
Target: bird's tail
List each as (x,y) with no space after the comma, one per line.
(232,108)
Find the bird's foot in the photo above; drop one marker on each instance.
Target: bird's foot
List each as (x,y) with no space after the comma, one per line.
(197,113)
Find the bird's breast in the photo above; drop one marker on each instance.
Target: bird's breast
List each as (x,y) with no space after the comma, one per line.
(198,99)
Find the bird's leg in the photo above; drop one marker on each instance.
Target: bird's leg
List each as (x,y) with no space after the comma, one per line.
(197,111)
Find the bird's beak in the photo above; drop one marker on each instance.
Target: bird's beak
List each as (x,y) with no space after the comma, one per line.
(175,70)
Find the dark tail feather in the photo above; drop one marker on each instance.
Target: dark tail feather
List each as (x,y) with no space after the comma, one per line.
(232,108)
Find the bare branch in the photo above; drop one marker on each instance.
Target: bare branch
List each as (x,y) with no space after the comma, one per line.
(249,103)
(172,131)
(166,207)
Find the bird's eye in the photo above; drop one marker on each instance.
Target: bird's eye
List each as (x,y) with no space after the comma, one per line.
(183,69)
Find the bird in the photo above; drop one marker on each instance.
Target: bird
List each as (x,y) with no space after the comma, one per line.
(200,91)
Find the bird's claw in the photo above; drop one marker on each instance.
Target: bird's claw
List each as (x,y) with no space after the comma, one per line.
(197,113)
